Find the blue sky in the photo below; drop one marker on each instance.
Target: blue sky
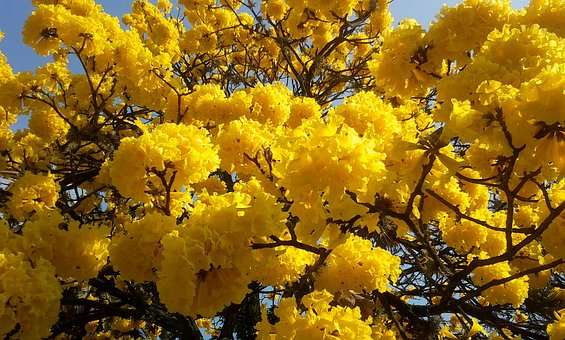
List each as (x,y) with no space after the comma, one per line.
(13,14)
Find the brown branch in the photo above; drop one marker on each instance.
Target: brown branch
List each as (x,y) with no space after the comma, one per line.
(288,243)
(512,277)
(461,215)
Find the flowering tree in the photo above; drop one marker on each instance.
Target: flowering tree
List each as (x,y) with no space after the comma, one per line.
(287,169)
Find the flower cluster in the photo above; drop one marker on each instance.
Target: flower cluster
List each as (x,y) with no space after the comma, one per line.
(202,161)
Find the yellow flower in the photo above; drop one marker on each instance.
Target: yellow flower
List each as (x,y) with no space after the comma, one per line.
(320,321)
(65,245)
(183,150)
(356,265)
(32,193)
(514,291)
(556,330)
(30,293)
(136,252)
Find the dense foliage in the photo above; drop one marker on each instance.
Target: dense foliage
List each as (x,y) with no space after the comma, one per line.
(291,169)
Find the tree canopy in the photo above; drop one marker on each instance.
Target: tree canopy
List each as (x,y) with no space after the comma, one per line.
(285,169)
